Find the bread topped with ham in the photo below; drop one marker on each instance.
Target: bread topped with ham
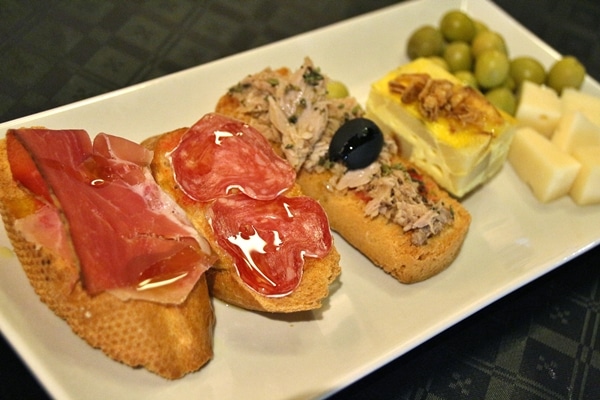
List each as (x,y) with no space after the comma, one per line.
(130,261)
(274,245)
(106,249)
(379,202)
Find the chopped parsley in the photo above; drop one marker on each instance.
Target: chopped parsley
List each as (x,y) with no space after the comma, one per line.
(388,169)
(239,88)
(324,161)
(312,76)
(290,88)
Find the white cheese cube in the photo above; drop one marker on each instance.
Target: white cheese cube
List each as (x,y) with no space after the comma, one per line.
(575,130)
(539,108)
(586,187)
(574,100)
(540,164)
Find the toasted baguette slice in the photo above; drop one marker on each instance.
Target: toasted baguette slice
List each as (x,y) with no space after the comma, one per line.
(170,341)
(223,281)
(383,242)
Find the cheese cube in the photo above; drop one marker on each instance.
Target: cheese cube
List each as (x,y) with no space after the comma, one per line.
(540,164)
(575,130)
(586,187)
(539,108)
(574,100)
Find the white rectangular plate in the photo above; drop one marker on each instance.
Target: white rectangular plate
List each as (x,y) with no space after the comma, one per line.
(370,318)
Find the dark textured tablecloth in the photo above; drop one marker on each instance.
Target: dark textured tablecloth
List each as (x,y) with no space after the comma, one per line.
(541,342)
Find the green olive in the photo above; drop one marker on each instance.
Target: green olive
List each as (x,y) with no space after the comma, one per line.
(336,90)
(491,68)
(479,26)
(456,25)
(566,72)
(487,40)
(527,69)
(467,78)
(503,98)
(458,56)
(510,84)
(426,41)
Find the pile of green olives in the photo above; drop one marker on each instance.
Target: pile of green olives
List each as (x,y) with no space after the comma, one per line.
(479,57)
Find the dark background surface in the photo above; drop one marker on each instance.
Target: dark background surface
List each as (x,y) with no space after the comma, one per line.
(540,342)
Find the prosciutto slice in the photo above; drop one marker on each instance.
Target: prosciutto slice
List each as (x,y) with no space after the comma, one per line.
(126,235)
(218,155)
(269,240)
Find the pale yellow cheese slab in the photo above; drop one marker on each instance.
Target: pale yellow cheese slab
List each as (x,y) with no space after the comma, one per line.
(586,187)
(575,130)
(539,108)
(575,100)
(547,170)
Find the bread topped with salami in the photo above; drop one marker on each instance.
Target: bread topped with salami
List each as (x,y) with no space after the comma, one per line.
(380,203)
(274,245)
(105,249)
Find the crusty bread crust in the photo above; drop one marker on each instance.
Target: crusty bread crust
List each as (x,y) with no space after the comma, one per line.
(383,242)
(170,341)
(223,281)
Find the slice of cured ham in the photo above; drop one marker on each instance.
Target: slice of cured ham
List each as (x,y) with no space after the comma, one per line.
(127,235)
(219,154)
(268,240)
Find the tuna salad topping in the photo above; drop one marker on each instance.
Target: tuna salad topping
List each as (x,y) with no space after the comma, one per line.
(292,109)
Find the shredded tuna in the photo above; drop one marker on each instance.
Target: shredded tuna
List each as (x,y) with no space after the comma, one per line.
(395,194)
(293,110)
(358,177)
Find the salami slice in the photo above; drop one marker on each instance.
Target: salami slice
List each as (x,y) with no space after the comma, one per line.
(219,155)
(269,240)
(126,233)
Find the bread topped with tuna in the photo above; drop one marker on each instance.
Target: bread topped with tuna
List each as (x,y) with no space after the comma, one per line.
(274,245)
(380,203)
(105,249)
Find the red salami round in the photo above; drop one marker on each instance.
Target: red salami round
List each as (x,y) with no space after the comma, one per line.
(268,240)
(218,155)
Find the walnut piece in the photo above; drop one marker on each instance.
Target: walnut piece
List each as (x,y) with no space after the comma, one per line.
(463,106)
